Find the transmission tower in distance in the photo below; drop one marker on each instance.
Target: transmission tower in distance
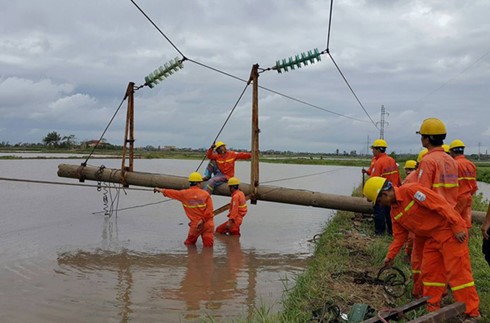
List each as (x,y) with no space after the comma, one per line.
(382,123)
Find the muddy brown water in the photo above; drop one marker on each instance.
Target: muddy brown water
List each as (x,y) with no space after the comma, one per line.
(61,261)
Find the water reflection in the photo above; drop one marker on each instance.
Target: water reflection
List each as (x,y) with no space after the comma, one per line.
(220,282)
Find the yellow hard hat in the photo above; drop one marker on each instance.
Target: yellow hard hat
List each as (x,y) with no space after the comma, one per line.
(422,154)
(379,143)
(410,164)
(219,144)
(456,144)
(372,188)
(446,148)
(432,126)
(195,177)
(233,181)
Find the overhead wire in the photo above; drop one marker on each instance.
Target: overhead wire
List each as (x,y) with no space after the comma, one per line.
(329,24)
(327,51)
(451,79)
(352,90)
(161,32)
(236,77)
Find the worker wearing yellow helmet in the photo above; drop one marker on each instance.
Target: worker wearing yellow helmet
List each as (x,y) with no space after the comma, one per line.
(438,172)
(410,166)
(386,167)
(198,207)
(417,209)
(238,209)
(466,180)
(222,164)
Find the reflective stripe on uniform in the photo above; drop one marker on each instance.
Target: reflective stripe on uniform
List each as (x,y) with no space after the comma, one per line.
(466,178)
(434,284)
(225,161)
(242,206)
(416,271)
(408,207)
(389,173)
(194,206)
(455,288)
(448,185)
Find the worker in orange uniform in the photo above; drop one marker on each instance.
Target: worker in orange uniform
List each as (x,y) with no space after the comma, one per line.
(384,166)
(410,166)
(412,177)
(238,209)
(466,180)
(427,214)
(438,172)
(222,164)
(411,171)
(198,207)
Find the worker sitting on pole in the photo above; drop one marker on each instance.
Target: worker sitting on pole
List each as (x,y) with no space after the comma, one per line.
(198,207)
(238,209)
(386,167)
(224,165)
(428,214)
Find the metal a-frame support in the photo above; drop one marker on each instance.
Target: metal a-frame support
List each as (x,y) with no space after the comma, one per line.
(128,143)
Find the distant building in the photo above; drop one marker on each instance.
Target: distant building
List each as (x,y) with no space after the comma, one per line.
(93,143)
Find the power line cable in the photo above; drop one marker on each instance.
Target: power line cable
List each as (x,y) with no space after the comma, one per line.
(238,78)
(161,32)
(347,82)
(276,92)
(329,24)
(451,79)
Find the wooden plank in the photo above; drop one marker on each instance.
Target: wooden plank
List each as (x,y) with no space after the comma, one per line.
(402,309)
(442,315)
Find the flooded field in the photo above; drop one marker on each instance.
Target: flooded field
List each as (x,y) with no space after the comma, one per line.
(62,259)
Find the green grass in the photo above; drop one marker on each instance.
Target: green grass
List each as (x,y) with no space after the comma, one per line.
(334,253)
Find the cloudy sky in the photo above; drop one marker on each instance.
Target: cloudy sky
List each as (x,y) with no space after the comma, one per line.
(65,66)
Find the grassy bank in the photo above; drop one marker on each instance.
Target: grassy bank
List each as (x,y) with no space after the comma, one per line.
(348,246)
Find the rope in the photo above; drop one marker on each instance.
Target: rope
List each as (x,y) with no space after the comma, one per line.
(103,133)
(226,121)
(303,176)
(61,183)
(136,206)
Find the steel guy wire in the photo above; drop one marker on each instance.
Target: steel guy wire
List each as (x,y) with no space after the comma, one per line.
(226,121)
(106,128)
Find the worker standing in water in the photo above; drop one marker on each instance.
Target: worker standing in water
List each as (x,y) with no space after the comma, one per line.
(198,207)
(386,167)
(222,163)
(238,209)
(427,214)
(466,180)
